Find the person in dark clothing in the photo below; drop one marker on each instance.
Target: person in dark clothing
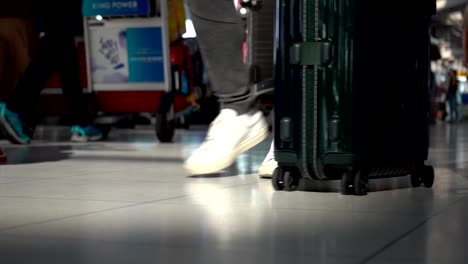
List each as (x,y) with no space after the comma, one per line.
(452,96)
(240,125)
(18,40)
(57,52)
(465,35)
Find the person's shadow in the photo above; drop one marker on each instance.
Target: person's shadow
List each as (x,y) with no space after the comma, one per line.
(35,154)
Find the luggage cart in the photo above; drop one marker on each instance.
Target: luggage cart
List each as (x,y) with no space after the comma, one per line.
(128,62)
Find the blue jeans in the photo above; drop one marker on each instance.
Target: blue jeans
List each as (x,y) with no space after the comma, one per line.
(453,104)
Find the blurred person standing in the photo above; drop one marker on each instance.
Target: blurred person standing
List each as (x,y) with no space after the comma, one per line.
(18,39)
(452,95)
(432,98)
(465,38)
(57,51)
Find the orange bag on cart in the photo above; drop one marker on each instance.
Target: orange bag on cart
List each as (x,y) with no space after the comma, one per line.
(176,19)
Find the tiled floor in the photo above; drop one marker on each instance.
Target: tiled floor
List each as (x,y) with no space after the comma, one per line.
(128,200)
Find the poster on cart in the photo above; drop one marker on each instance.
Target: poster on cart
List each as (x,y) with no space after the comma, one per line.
(127,55)
(108,8)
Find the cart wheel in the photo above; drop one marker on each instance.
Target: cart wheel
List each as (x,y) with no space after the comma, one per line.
(165,129)
(277,179)
(361,183)
(347,183)
(416,178)
(428,177)
(291,180)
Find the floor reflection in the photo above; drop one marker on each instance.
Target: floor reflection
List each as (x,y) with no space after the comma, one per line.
(128,200)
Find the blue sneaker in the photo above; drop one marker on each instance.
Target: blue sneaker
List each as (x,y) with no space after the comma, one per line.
(12,126)
(85,134)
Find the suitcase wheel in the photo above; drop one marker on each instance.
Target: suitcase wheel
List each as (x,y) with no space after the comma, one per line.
(347,183)
(356,183)
(428,176)
(286,179)
(423,175)
(277,179)
(361,183)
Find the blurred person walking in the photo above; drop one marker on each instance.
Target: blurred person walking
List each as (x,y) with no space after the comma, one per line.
(452,95)
(17,41)
(240,124)
(465,36)
(57,51)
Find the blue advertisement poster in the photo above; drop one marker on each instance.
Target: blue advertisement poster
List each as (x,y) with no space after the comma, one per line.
(116,7)
(145,54)
(123,55)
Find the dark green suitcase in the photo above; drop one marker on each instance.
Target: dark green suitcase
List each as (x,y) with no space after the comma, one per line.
(351,92)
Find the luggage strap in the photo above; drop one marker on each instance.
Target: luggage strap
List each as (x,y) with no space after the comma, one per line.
(311,53)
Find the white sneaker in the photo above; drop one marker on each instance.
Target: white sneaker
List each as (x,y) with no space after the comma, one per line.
(269,164)
(229,135)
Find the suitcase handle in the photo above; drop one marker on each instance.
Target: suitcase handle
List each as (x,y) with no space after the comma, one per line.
(311,53)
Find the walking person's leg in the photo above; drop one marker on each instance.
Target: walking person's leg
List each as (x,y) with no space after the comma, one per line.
(65,53)
(220,35)
(453,107)
(450,107)
(68,67)
(25,95)
(57,51)
(239,126)
(4,72)
(269,164)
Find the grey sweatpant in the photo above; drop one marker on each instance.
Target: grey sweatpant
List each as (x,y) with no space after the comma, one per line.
(220,36)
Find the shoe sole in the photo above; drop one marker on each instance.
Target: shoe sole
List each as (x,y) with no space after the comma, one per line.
(243,147)
(79,139)
(10,133)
